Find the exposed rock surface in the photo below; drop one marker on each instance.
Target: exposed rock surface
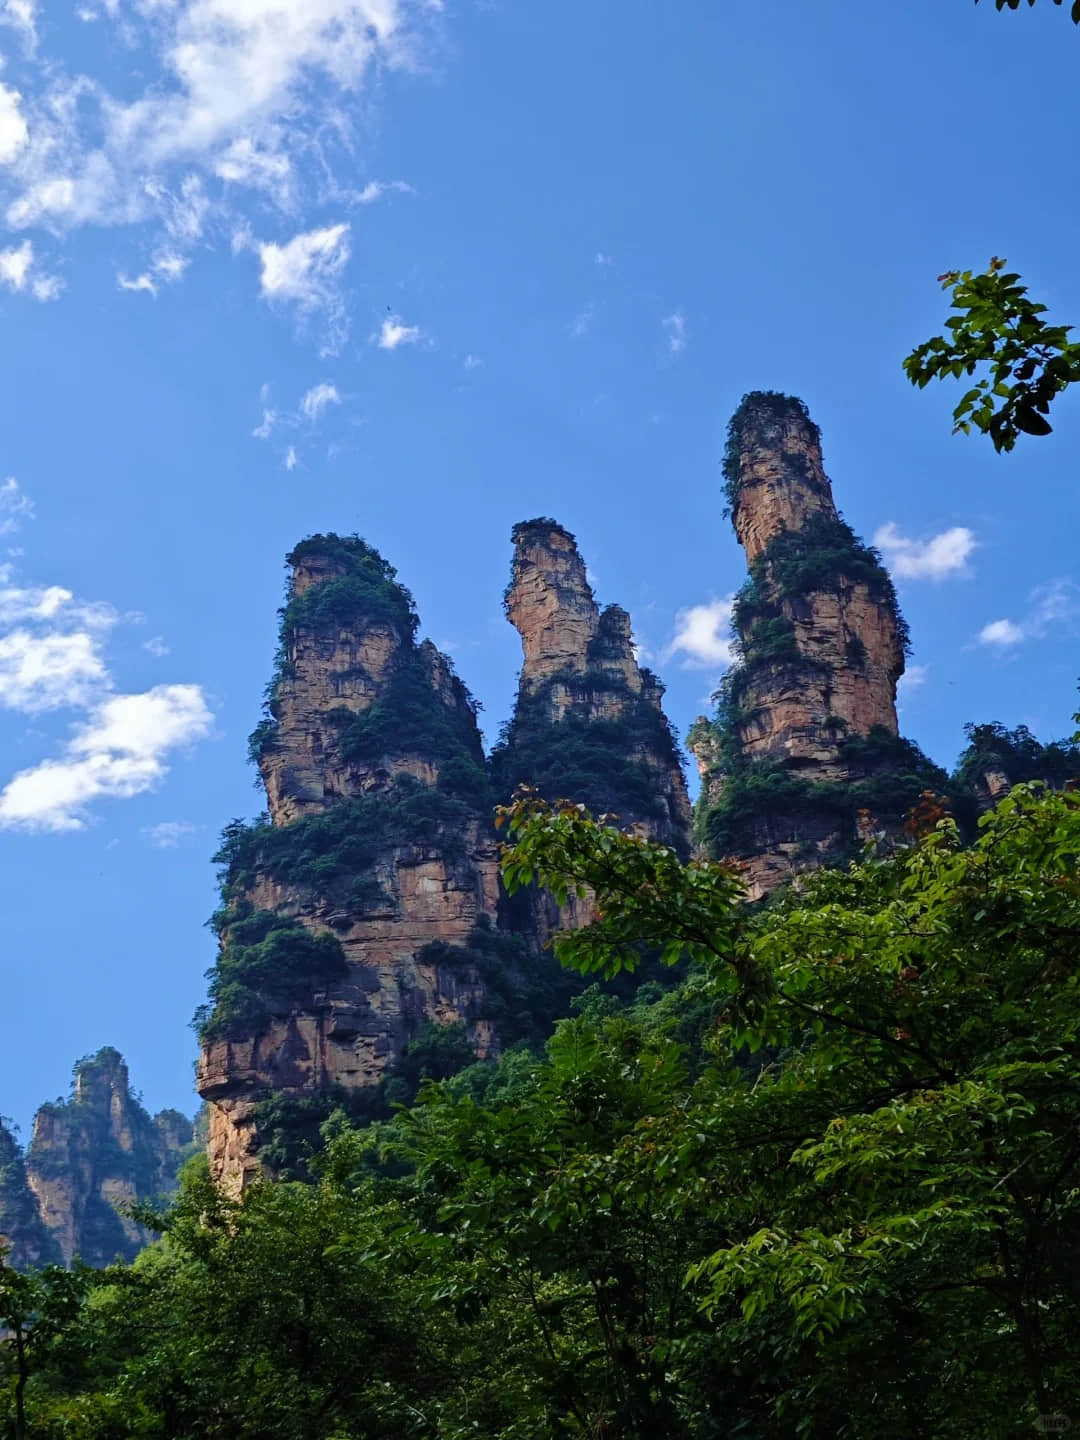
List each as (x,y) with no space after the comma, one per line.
(803,759)
(581,689)
(366,909)
(374,773)
(22,1230)
(89,1154)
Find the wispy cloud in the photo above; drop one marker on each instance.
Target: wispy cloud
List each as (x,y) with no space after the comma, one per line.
(674,327)
(376,189)
(166,268)
(156,647)
(944,554)
(393,333)
(13,131)
(290,462)
(19,272)
(168,834)
(702,635)
(306,272)
(1054,604)
(582,322)
(913,678)
(315,401)
(15,507)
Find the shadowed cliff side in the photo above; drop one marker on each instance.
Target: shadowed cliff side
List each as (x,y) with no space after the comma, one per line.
(588,724)
(802,760)
(22,1230)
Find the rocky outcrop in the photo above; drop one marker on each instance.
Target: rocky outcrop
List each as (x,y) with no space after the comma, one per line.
(589,723)
(378,846)
(23,1235)
(803,761)
(90,1158)
(363,918)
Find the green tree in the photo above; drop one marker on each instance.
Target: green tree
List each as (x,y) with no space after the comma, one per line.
(1074,6)
(36,1311)
(1024,362)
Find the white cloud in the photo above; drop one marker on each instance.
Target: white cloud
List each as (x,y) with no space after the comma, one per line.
(375,189)
(266,425)
(15,507)
(473,362)
(674,326)
(15,265)
(913,677)
(702,635)
(167,266)
(291,461)
(18,271)
(168,833)
(156,647)
(141,282)
(49,672)
(933,559)
(393,333)
(245,163)
(306,271)
(119,753)
(51,658)
(13,131)
(1001,632)
(20,15)
(241,89)
(602,260)
(315,401)
(1056,603)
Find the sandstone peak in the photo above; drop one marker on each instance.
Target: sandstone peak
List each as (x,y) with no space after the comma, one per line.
(774,475)
(812,700)
(549,600)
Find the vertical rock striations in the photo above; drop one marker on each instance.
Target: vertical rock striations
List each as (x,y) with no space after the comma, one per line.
(96,1153)
(588,724)
(23,1235)
(377,847)
(803,757)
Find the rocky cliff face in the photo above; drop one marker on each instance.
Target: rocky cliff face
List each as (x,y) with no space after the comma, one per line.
(22,1230)
(588,724)
(377,846)
(803,759)
(89,1154)
(362,922)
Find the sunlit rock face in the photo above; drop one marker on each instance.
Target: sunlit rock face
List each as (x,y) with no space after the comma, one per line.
(378,836)
(807,729)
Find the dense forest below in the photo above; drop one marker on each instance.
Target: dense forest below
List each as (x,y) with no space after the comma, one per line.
(824,1185)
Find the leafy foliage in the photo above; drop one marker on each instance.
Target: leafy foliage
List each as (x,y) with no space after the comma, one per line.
(827,1187)
(411,717)
(768,799)
(1028,362)
(266,966)
(335,852)
(360,589)
(598,762)
(818,558)
(1074,5)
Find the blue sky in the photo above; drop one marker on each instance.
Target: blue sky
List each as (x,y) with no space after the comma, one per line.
(421,270)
